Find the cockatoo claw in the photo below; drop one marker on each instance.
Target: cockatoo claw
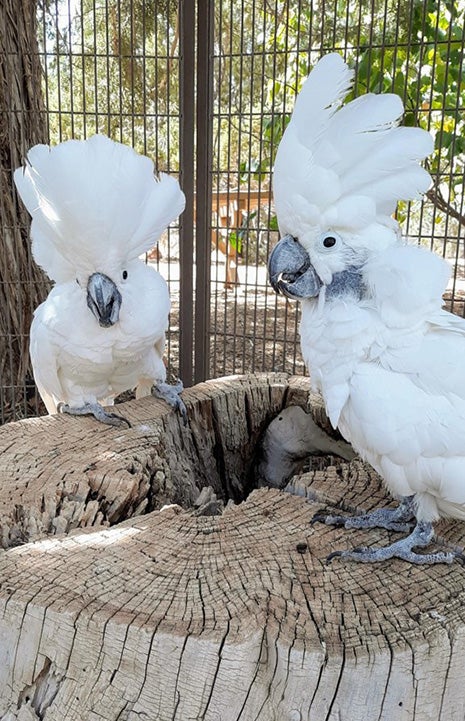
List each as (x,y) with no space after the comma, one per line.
(171,394)
(393,519)
(421,536)
(96,410)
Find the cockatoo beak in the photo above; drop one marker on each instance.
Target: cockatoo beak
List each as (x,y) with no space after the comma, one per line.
(103,299)
(291,272)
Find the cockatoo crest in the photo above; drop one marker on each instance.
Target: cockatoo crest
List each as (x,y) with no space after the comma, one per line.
(95,204)
(343,168)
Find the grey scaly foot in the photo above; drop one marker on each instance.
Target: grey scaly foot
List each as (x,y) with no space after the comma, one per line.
(393,519)
(421,536)
(171,394)
(96,410)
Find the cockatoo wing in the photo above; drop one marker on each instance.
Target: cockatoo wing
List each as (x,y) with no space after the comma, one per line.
(92,198)
(400,326)
(395,414)
(431,362)
(407,283)
(44,362)
(421,339)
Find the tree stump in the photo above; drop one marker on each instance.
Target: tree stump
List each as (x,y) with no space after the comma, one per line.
(170,615)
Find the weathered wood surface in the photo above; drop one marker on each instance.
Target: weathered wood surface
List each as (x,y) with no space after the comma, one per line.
(58,473)
(170,616)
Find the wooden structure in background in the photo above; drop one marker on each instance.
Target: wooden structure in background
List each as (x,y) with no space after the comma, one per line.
(229,207)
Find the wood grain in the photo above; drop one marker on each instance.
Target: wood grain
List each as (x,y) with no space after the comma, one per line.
(58,473)
(171,616)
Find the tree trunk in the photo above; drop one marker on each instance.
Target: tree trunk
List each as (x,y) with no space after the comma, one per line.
(174,615)
(23,123)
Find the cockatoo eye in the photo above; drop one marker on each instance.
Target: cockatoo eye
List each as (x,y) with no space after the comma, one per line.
(125,274)
(329,240)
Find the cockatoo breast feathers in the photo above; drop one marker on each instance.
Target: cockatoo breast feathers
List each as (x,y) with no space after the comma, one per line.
(94,203)
(344,167)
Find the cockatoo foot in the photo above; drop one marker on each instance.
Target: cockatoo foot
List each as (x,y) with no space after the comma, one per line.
(393,519)
(96,410)
(171,394)
(421,536)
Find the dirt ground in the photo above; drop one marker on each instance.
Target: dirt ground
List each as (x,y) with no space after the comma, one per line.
(250,331)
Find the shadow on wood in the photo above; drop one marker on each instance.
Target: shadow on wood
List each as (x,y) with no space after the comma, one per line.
(171,616)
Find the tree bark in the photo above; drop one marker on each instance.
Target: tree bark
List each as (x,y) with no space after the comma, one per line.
(23,124)
(173,615)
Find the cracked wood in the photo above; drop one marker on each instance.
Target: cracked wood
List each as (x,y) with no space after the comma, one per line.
(58,473)
(172,616)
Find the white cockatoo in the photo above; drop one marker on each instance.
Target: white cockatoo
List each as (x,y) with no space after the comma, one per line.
(96,206)
(382,351)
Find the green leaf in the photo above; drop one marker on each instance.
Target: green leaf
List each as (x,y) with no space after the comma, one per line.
(273,224)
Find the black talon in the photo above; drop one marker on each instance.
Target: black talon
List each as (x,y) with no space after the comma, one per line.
(332,555)
(317,518)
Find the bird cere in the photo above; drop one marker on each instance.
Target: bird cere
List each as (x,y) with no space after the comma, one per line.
(96,206)
(378,345)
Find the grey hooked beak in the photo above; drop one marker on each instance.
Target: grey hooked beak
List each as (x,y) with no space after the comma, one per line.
(291,272)
(103,299)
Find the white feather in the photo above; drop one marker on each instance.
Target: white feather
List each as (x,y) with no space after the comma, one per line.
(387,360)
(93,198)
(340,157)
(329,83)
(96,206)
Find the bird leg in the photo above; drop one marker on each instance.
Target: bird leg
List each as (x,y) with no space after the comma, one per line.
(96,410)
(421,536)
(393,519)
(171,394)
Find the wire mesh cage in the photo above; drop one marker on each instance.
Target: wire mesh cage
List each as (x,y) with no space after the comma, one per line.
(113,68)
(206,89)
(261,56)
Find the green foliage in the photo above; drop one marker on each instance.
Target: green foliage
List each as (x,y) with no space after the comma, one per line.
(237,237)
(414,49)
(113,67)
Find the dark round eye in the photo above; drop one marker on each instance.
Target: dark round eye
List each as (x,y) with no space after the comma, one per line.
(329,241)
(125,274)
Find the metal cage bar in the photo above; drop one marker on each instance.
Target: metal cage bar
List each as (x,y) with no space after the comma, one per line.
(186,230)
(203,186)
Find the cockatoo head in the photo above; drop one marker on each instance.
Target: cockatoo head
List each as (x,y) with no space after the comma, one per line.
(96,206)
(339,172)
